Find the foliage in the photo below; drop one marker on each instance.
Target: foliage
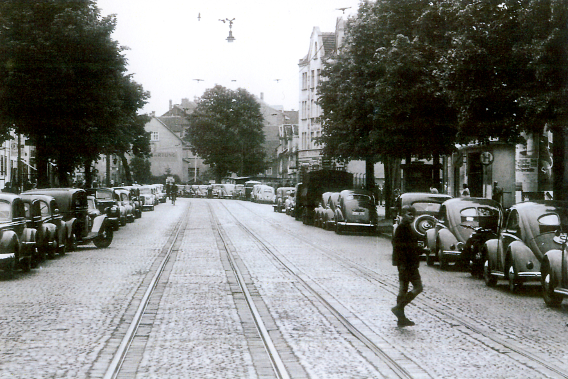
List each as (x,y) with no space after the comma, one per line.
(141,170)
(380,97)
(227,132)
(63,82)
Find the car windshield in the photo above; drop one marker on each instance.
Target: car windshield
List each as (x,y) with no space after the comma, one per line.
(4,211)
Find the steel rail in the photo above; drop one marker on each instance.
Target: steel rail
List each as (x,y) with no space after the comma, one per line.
(116,364)
(390,362)
(275,359)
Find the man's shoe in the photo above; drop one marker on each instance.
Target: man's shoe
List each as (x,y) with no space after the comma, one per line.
(398,312)
(405,322)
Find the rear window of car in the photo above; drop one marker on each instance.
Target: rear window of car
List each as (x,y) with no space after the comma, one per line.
(104,195)
(425,207)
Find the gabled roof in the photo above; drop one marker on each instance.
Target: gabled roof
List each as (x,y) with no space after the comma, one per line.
(328,40)
(176,124)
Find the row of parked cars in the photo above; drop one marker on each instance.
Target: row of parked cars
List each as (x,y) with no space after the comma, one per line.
(41,223)
(525,243)
(345,210)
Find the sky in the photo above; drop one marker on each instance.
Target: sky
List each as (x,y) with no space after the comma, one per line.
(169,47)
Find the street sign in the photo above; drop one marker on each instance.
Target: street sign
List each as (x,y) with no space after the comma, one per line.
(486,158)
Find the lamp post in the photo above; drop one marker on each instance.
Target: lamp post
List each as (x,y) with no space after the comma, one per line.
(230,38)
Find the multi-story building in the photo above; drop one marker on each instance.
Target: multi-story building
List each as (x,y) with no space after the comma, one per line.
(9,175)
(287,150)
(322,45)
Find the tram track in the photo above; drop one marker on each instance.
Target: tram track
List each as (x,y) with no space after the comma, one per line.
(129,352)
(386,359)
(492,341)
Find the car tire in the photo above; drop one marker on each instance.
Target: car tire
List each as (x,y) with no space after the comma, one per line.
(61,250)
(442,258)
(105,240)
(71,243)
(489,279)
(430,258)
(551,298)
(513,277)
(338,228)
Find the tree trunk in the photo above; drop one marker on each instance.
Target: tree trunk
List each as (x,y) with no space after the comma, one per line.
(370,174)
(126,167)
(108,156)
(88,173)
(41,163)
(559,145)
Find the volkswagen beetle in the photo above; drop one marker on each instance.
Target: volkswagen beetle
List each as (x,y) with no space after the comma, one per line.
(528,235)
(356,209)
(456,221)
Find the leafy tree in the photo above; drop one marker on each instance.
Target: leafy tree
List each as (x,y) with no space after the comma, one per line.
(227,131)
(507,69)
(380,99)
(62,80)
(141,171)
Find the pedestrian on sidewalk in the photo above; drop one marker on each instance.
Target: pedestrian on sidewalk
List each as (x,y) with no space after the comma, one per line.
(406,256)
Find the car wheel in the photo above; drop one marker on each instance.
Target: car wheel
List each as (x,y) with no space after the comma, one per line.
(104,239)
(61,250)
(430,258)
(71,243)
(490,279)
(442,259)
(338,228)
(551,298)
(514,281)
(123,221)
(26,264)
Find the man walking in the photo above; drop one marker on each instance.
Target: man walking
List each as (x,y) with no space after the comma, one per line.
(406,256)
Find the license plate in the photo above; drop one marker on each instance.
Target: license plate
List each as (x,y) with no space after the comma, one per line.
(358,213)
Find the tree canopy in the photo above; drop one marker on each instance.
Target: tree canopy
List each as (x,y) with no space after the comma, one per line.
(416,77)
(63,82)
(227,132)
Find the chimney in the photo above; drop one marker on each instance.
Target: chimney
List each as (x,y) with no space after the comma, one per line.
(171,106)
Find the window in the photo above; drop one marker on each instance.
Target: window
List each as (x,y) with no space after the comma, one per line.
(155,136)
(312,78)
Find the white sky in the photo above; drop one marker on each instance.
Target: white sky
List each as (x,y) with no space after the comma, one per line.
(169,47)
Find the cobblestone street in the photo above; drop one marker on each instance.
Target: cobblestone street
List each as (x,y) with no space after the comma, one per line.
(238,269)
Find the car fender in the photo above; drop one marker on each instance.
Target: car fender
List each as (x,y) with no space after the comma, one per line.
(98,223)
(522,255)
(430,239)
(554,259)
(9,241)
(446,239)
(492,247)
(28,241)
(70,224)
(50,231)
(338,215)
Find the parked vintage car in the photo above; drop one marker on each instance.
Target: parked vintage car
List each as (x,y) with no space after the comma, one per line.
(17,240)
(94,212)
(160,192)
(320,209)
(263,194)
(356,209)
(554,267)
(529,233)
(456,219)
(81,229)
(42,213)
(427,207)
(136,200)
(280,197)
(108,203)
(239,192)
(125,201)
(147,198)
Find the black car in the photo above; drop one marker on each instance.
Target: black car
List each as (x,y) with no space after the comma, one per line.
(74,208)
